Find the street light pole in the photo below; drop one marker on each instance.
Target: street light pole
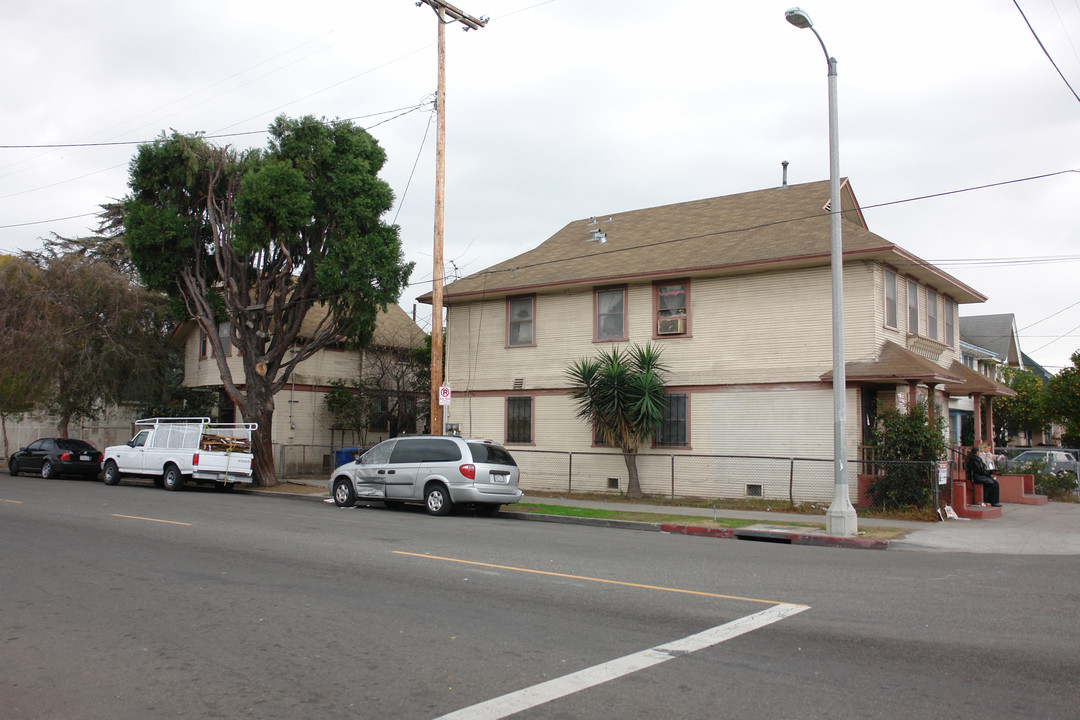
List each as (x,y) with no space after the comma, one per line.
(840,518)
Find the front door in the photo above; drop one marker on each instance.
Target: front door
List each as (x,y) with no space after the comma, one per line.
(130,458)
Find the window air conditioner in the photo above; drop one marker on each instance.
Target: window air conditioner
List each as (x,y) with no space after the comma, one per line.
(671,326)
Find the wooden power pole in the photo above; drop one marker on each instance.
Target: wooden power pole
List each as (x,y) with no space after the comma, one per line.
(446,14)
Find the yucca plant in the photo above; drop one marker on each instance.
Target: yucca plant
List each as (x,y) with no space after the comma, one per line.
(620,393)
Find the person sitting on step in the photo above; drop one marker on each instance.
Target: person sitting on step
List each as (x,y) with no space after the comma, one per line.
(981,470)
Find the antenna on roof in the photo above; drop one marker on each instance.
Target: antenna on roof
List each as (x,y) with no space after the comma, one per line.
(784,184)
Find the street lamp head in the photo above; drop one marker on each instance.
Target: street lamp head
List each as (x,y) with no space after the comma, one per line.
(798,18)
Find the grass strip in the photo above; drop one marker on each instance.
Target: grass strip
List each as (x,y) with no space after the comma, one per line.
(569,511)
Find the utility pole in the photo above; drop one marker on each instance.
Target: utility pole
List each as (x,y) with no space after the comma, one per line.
(446,14)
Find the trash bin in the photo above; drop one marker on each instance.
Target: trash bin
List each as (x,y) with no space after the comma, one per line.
(345,455)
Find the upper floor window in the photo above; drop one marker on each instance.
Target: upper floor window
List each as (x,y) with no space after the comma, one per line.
(950,329)
(519,419)
(931,314)
(673,431)
(890,299)
(224,334)
(672,308)
(520,314)
(912,307)
(611,314)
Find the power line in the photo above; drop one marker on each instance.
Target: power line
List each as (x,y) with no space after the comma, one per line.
(1045,51)
(406,110)
(43,222)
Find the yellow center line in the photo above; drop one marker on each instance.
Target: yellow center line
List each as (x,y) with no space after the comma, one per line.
(136,517)
(16,502)
(596,580)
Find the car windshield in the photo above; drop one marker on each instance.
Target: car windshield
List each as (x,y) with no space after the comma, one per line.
(74,445)
(491,454)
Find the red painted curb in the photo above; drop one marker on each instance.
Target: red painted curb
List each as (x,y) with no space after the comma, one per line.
(726,533)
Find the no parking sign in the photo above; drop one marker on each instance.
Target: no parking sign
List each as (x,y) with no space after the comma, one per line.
(444,394)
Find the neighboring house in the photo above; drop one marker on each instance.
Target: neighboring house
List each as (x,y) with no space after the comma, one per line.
(989,343)
(300,414)
(736,290)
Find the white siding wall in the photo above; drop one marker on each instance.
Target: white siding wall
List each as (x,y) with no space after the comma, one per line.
(752,369)
(772,327)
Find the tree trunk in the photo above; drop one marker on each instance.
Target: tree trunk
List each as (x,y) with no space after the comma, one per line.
(261,411)
(633,485)
(62,426)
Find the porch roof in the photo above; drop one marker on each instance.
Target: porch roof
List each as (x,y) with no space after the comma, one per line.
(895,364)
(976,382)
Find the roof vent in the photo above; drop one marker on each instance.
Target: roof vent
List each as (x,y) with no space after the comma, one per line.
(784,184)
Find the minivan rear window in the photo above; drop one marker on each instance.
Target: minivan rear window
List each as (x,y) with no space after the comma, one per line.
(420,450)
(491,454)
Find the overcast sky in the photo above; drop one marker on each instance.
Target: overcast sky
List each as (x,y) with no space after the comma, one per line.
(565,109)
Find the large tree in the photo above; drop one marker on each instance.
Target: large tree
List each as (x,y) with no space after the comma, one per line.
(258,239)
(78,335)
(620,393)
(20,377)
(1028,411)
(1063,391)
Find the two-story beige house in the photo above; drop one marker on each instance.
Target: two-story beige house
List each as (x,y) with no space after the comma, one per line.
(302,430)
(736,290)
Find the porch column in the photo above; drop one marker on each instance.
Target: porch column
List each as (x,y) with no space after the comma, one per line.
(977,400)
(990,420)
(931,402)
(912,393)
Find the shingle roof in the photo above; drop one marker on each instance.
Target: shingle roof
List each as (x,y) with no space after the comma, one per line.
(976,382)
(896,364)
(734,234)
(992,332)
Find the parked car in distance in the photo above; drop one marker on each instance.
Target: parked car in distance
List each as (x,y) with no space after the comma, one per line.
(53,457)
(1056,461)
(439,471)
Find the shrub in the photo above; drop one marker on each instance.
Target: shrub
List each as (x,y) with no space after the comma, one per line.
(907,444)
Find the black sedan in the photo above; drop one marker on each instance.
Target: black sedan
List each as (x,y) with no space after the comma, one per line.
(53,457)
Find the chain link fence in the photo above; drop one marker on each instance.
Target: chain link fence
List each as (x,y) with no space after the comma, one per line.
(794,479)
(797,480)
(301,460)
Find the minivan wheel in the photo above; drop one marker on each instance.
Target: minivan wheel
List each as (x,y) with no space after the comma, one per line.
(437,500)
(344,495)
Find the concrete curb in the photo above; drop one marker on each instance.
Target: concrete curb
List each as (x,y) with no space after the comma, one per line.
(776,535)
(787,536)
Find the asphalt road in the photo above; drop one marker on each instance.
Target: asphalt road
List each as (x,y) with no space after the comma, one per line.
(132,602)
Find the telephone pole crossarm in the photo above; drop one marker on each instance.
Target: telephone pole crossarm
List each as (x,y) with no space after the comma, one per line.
(470,22)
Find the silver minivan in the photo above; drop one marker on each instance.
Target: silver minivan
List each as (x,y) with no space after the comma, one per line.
(439,471)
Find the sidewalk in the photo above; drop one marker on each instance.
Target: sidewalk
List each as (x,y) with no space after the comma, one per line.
(1052,529)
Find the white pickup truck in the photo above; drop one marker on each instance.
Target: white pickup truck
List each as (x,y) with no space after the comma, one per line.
(174,451)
